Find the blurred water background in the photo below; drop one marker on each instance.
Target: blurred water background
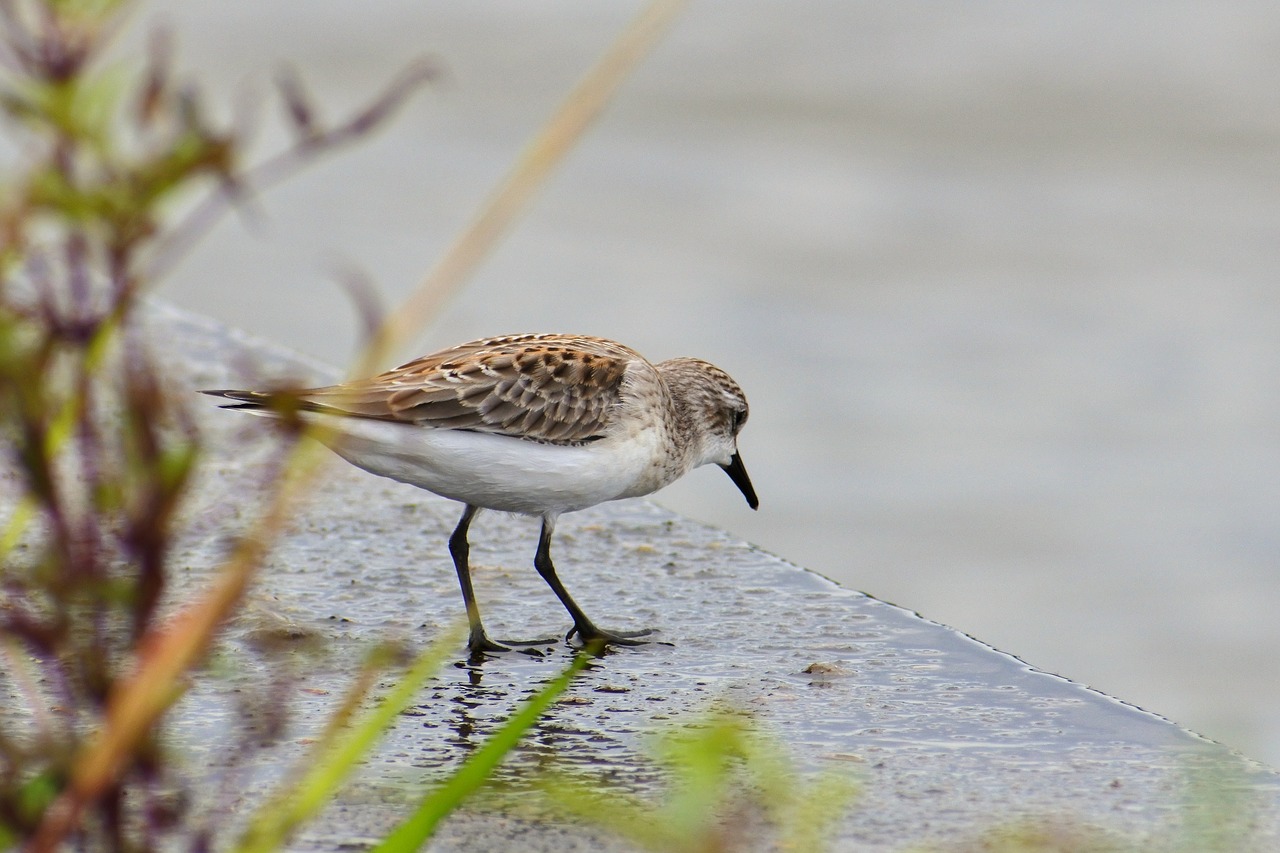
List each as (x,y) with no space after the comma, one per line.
(999,279)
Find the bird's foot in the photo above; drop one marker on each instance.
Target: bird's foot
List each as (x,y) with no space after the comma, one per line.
(480,644)
(589,634)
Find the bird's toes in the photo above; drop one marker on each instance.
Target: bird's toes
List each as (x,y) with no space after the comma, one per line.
(589,634)
(479,644)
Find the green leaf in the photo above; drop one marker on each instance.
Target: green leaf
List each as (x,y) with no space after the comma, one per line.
(720,766)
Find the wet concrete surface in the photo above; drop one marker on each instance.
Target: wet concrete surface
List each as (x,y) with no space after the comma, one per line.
(946,736)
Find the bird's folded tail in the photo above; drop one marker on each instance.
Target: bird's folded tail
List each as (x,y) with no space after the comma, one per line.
(244,399)
(276,403)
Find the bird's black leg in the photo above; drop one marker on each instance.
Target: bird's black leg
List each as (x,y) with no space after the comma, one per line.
(582,626)
(477,641)
(460,550)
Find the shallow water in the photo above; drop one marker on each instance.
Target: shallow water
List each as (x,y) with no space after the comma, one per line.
(999,281)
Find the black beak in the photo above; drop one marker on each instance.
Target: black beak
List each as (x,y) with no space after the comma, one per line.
(738,473)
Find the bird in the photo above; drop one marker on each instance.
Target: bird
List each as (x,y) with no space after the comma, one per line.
(533,424)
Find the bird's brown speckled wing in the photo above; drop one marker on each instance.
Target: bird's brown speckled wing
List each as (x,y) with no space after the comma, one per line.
(553,388)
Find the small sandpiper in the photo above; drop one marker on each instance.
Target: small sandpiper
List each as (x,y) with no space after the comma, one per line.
(531,424)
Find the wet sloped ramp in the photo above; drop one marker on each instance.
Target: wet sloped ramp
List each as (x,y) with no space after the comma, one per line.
(947,736)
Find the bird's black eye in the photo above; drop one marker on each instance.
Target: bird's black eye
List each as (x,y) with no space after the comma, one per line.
(737,417)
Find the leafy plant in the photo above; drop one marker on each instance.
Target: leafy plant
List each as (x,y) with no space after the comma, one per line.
(99,454)
(729,788)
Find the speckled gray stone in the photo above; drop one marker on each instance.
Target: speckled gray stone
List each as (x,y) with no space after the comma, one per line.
(948,737)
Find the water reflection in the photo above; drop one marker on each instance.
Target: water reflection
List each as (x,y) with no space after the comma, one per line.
(475,697)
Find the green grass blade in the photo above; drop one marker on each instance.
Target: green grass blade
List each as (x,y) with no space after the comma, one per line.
(284,812)
(22,515)
(414,832)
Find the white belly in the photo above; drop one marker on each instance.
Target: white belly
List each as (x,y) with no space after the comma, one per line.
(499,472)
